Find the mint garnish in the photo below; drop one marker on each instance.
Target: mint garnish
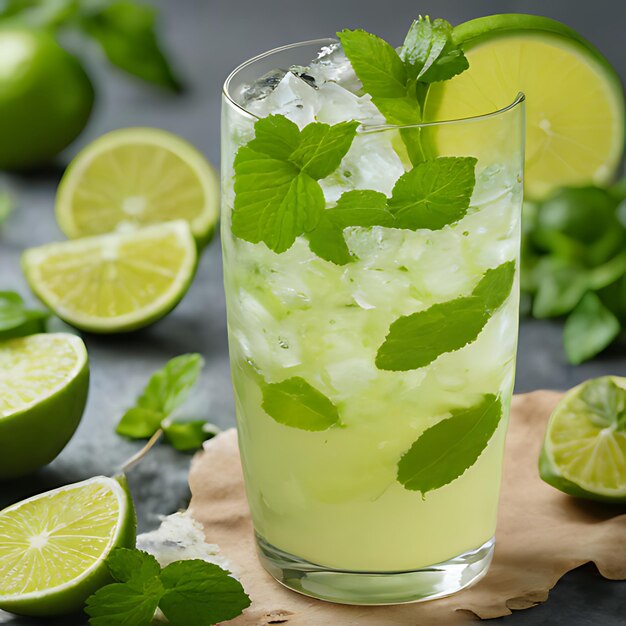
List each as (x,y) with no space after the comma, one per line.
(277,196)
(294,402)
(187,592)
(16,320)
(434,193)
(446,450)
(418,339)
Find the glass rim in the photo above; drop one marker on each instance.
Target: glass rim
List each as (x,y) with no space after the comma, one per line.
(325,41)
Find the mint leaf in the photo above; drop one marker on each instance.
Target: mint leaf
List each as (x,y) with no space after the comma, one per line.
(434,193)
(418,339)
(361,208)
(589,329)
(277,197)
(166,390)
(446,450)
(200,593)
(560,286)
(126,32)
(18,321)
(322,147)
(124,603)
(326,240)
(376,64)
(294,402)
(188,592)
(429,52)
(188,436)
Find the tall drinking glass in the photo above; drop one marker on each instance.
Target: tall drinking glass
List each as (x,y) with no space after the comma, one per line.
(372,395)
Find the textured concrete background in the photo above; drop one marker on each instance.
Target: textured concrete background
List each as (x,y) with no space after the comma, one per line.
(208,38)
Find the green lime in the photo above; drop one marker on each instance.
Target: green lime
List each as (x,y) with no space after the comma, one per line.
(574,98)
(44,380)
(134,177)
(117,282)
(53,547)
(45,98)
(584,450)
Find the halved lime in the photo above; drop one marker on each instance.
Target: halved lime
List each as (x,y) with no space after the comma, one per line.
(44,380)
(134,177)
(574,98)
(584,451)
(114,283)
(53,546)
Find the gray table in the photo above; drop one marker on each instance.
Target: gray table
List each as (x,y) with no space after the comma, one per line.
(207,40)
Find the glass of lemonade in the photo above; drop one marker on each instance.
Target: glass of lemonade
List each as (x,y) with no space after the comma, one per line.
(372,337)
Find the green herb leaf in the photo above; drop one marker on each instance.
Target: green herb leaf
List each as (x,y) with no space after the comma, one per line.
(322,147)
(166,390)
(326,240)
(18,321)
(449,448)
(418,339)
(376,64)
(188,436)
(188,592)
(429,52)
(560,286)
(434,193)
(589,329)
(200,593)
(361,208)
(126,32)
(294,402)
(277,197)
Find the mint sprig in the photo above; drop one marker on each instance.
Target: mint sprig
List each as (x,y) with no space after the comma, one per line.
(187,592)
(277,196)
(167,389)
(16,319)
(418,339)
(448,449)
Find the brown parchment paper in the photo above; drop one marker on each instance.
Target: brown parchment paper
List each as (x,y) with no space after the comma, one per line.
(542,534)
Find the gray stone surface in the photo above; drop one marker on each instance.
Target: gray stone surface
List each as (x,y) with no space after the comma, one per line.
(208,39)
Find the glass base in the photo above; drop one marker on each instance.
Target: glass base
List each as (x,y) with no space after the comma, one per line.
(375,588)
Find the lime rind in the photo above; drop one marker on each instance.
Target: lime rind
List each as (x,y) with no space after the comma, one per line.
(202,225)
(583,454)
(70,596)
(36,258)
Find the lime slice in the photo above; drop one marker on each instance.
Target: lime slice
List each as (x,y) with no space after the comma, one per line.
(114,283)
(44,381)
(584,451)
(53,546)
(574,98)
(134,177)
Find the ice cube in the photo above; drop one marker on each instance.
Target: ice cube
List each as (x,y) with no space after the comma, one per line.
(332,65)
(262,87)
(293,97)
(337,104)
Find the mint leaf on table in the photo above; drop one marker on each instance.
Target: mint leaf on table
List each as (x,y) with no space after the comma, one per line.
(166,390)
(277,196)
(188,436)
(126,32)
(429,53)
(446,450)
(16,320)
(418,339)
(188,592)
(560,285)
(589,329)
(434,193)
(294,402)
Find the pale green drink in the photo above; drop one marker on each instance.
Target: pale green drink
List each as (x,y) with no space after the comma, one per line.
(331,397)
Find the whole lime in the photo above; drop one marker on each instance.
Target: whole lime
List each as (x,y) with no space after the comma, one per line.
(45,97)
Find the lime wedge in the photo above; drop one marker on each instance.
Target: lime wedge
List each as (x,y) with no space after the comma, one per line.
(53,546)
(44,381)
(584,451)
(117,282)
(574,98)
(134,177)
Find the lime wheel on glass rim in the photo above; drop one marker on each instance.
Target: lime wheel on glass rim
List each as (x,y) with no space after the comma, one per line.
(574,98)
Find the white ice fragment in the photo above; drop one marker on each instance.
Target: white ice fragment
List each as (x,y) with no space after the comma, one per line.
(180,538)
(337,104)
(332,65)
(293,97)
(262,87)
